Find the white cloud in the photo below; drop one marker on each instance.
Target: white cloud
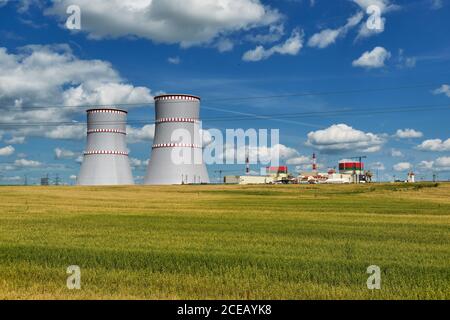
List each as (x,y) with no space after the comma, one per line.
(341,137)
(291,46)
(444,89)
(402,166)
(225,45)
(16,140)
(174,60)
(436,4)
(427,165)
(7,151)
(408,133)
(405,62)
(327,37)
(136,135)
(65,154)
(138,164)
(73,177)
(396,153)
(372,59)
(275,33)
(70,132)
(440,164)
(298,161)
(188,22)
(263,153)
(435,145)
(24,163)
(51,75)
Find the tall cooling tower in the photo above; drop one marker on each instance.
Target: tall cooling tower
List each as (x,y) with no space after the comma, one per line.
(105,160)
(176,113)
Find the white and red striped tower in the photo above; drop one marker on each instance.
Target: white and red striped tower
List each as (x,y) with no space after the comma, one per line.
(314,162)
(177,152)
(105,160)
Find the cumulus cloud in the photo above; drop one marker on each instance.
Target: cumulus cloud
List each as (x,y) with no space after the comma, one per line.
(408,133)
(372,59)
(404,61)
(42,76)
(396,153)
(138,164)
(24,163)
(174,60)
(264,154)
(7,151)
(136,135)
(298,161)
(275,33)
(440,164)
(444,89)
(341,137)
(69,132)
(224,45)
(291,46)
(402,166)
(327,37)
(65,154)
(427,165)
(16,140)
(435,145)
(188,22)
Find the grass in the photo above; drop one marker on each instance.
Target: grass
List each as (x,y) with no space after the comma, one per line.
(226,242)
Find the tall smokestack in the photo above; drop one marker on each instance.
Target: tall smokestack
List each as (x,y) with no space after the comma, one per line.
(247,161)
(314,163)
(105,160)
(177,114)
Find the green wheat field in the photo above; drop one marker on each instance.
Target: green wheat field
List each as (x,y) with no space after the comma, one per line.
(226,242)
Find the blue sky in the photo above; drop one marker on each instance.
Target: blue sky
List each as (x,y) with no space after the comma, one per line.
(129,51)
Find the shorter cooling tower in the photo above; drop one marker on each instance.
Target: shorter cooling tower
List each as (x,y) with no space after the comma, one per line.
(175,114)
(105,160)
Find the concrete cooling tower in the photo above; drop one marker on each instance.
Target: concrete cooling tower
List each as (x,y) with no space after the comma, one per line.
(175,114)
(105,160)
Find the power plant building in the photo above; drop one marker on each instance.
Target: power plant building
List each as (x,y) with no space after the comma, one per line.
(177,151)
(105,160)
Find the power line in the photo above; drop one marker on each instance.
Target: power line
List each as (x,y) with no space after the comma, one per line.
(228,99)
(274,116)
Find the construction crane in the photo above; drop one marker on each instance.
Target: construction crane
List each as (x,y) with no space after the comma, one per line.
(359,158)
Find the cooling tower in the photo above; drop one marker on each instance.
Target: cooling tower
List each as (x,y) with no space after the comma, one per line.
(105,160)
(177,153)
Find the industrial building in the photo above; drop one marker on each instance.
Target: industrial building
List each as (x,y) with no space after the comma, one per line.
(105,160)
(274,175)
(176,113)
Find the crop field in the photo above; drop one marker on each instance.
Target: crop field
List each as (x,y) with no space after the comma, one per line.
(226,242)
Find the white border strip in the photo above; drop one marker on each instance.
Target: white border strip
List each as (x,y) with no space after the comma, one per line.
(119,153)
(176,145)
(177,97)
(191,120)
(105,131)
(116,111)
